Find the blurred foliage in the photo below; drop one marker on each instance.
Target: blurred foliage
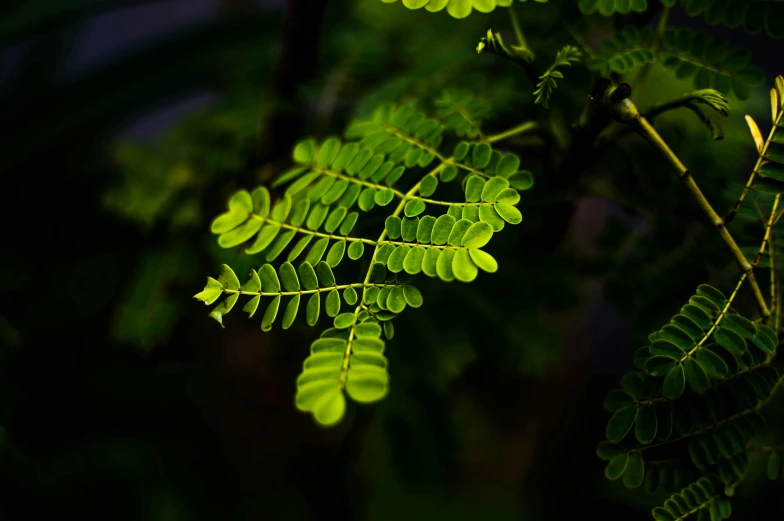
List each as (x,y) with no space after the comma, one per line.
(497,386)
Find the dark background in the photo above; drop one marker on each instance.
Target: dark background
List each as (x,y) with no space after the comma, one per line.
(126,124)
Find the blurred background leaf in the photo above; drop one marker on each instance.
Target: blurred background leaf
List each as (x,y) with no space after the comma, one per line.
(122,400)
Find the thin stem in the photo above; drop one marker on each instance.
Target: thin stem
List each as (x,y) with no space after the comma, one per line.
(757,166)
(581,41)
(347,353)
(304,231)
(306,291)
(445,161)
(723,314)
(767,242)
(516,27)
(648,133)
(519,129)
(756,448)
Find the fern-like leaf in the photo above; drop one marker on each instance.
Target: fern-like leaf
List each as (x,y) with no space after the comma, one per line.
(753,15)
(547,81)
(626,50)
(319,193)
(611,7)
(458,8)
(462,112)
(710,62)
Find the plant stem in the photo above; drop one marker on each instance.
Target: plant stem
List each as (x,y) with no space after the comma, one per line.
(516,27)
(648,133)
(776,124)
(519,129)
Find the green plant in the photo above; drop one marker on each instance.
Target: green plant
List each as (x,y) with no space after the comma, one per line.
(316,213)
(700,396)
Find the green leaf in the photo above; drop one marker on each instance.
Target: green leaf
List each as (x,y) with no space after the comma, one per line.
(774,465)
(412,296)
(458,232)
(414,208)
(442,228)
(481,154)
(290,313)
(660,514)
(355,250)
(508,213)
(408,229)
(350,296)
(463,267)
(397,259)
(695,376)
(392,226)
(288,277)
(674,383)
(384,196)
(740,325)
(507,165)
(223,308)
(428,185)
(473,188)
(312,310)
(396,301)
(241,201)
(304,151)
(308,276)
(712,363)
(492,188)
(270,314)
(210,293)
(345,320)
(252,305)
(617,466)
(621,423)
(228,221)
(483,260)
(635,470)
(412,264)
(332,303)
(666,348)
(330,408)
(325,276)
(477,235)
(522,180)
(660,365)
(730,340)
(607,450)
(269,279)
(366,385)
(712,294)
(336,253)
(645,424)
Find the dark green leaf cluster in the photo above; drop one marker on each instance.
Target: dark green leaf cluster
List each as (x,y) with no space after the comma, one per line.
(702,498)
(624,51)
(693,406)
(705,341)
(752,15)
(462,112)
(710,62)
(458,8)
(610,7)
